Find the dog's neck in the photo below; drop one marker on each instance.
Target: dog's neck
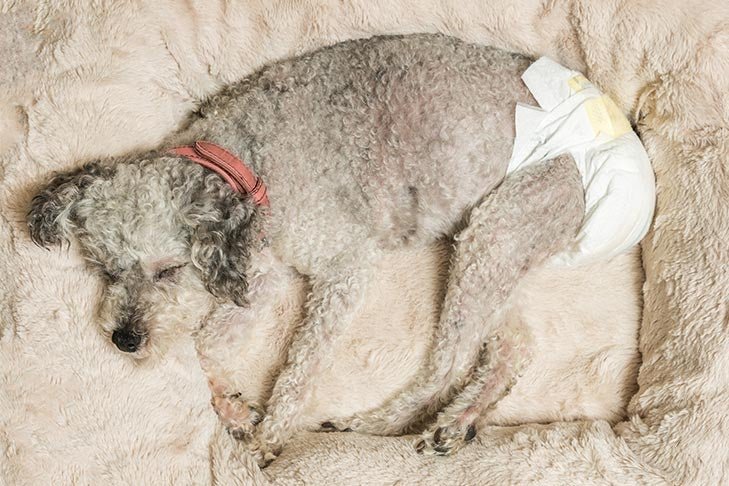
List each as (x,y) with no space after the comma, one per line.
(264,270)
(228,166)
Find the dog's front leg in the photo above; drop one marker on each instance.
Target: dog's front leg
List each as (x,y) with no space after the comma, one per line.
(332,303)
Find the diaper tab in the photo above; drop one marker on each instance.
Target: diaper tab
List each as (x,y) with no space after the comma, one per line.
(575,117)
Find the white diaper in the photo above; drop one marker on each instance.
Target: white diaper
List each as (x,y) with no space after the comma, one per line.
(576,117)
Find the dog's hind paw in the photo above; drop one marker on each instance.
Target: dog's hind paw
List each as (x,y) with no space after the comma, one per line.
(443,440)
(372,423)
(333,426)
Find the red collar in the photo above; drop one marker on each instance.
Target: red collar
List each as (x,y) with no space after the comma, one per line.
(240,177)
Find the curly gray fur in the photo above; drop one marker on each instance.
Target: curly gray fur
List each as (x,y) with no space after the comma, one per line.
(364,146)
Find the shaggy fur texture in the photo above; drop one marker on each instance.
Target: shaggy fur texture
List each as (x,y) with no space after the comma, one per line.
(90,79)
(405,135)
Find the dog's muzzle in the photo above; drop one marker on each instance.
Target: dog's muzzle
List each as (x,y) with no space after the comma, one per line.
(126,341)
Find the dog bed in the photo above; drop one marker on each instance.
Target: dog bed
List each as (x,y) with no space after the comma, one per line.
(82,80)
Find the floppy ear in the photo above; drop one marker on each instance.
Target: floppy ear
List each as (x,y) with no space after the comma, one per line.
(220,241)
(51,210)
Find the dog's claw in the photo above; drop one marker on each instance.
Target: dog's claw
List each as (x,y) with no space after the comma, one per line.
(437,435)
(470,433)
(442,450)
(445,439)
(332,427)
(256,414)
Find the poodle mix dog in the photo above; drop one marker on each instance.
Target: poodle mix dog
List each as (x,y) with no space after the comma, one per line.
(364,147)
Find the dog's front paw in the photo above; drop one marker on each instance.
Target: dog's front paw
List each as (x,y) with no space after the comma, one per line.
(239,416)
(443,440)
(262,451)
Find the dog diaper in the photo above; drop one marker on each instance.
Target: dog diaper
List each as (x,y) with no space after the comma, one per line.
(578,118)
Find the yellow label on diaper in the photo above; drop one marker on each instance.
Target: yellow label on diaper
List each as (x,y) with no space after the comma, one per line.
(605,117)
(578,83)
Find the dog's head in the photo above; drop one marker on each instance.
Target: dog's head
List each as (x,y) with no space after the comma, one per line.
(163,233)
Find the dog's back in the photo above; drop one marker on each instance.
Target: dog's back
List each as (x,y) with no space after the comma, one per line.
(401,134)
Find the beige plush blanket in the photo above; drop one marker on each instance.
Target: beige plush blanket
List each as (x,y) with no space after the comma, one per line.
(85,79)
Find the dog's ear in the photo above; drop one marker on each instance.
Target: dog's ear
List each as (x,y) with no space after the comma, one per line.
(50,211)
(220,240)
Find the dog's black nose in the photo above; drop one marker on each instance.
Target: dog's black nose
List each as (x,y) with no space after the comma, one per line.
(126,341)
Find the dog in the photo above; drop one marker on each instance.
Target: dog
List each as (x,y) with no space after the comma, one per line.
(364,147)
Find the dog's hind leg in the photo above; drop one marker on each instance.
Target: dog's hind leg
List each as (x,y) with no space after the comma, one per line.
(501,361)
(533,214)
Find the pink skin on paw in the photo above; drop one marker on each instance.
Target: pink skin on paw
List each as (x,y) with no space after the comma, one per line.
(216,387)
(232,411)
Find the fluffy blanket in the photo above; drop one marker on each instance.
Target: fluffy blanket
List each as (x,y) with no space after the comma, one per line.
(86,79)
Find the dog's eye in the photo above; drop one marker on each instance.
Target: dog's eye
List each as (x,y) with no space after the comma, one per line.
(167,273)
